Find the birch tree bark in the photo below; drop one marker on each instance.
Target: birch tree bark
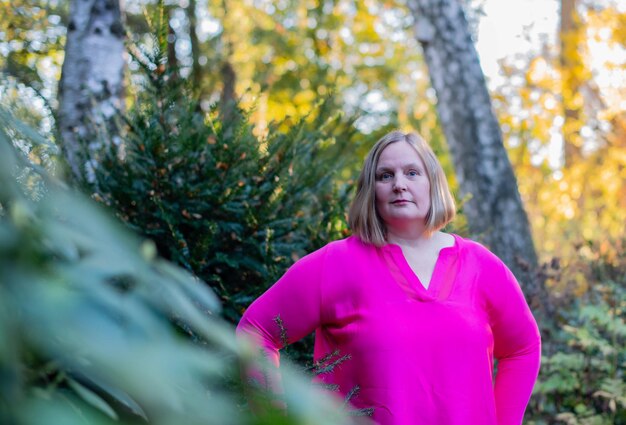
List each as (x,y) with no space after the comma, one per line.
(494,211)
(91,87)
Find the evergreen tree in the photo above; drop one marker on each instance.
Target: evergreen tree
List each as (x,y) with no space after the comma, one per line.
(233,208)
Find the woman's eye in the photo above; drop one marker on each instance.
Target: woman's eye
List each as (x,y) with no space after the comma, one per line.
(385,176)
(413,173)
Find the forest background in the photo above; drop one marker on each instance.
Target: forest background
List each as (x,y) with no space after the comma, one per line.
(233,152)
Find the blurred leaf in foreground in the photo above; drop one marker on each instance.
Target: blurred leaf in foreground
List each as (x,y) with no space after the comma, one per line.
(92,323)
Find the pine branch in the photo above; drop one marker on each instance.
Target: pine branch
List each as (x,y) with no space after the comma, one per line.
(366,411)
(321,369)
(325,386)
(283,331)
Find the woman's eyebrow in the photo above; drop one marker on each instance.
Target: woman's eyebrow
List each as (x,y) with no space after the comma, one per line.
(413,165)
(409,165)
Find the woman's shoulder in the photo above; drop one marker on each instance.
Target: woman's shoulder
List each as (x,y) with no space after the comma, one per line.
(339,251)
(475,250)
(490,271)
(352,245)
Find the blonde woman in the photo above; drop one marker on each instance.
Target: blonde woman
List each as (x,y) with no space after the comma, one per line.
(422,313)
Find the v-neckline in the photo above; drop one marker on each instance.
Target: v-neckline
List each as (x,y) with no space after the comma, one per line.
(441,279)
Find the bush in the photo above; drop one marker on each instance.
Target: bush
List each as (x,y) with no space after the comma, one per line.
(232,208)
(582,378)
(89,322)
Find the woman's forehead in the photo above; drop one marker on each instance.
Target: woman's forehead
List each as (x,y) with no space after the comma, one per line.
(399,154)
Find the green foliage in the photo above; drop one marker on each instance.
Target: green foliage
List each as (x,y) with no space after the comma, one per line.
(582,379)
(233,208)
(90,322)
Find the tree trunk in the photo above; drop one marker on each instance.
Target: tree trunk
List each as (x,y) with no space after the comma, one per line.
(196,67)
(571,67)
(227,72)
(91,87)
(172,58)
(494,208)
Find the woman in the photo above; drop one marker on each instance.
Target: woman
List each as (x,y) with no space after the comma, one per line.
(422,313)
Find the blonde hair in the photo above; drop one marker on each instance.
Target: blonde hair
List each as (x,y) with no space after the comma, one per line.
(363,218)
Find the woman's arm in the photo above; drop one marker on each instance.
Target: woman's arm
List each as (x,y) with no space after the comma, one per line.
(296,300)
(517,346)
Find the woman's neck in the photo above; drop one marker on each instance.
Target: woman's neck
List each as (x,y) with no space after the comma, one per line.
(409,237)
(433,241)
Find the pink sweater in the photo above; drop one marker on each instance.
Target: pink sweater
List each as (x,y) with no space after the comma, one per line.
(420,356)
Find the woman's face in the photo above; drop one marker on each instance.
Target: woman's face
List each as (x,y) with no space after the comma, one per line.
(402,186)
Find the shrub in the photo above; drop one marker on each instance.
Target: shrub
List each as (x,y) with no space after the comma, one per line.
(232,208)
(89,322)
(582,378)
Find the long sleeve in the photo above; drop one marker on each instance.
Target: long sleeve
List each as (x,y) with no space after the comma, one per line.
(295,298)
(517,346)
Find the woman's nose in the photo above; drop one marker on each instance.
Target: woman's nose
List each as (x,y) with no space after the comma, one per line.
(399,184)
